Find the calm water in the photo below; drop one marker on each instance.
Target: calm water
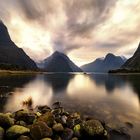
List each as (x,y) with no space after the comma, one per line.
(113,98)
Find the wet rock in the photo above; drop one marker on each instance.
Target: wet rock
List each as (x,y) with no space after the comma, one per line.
(15,131)
(40,130)
(64,119)
(46,139)
(44,109)
(75,138)
(48,118)
(6,120)
(1,133)
(129,125)
(22,123)
(73,119)
(38,114)
(56,111)
(25,116)
(56,105)
(23,138)
(118,135)
(66,113)
(93,127)
(58,127)
(67,134)
(57,138)
(77,130)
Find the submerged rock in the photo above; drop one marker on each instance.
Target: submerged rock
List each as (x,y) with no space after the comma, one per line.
(93,127)
(118,135)
(16,130)
(129,125)
(56,105)
(6,120)
(40,130)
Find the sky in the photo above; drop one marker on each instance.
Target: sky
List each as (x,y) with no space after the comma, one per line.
(82,29)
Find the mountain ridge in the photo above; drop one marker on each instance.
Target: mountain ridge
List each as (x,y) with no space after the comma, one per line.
(11,56)
(109,62)
(134,61)
(59,62)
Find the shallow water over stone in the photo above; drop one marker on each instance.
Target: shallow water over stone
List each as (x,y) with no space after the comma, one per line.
(112,98)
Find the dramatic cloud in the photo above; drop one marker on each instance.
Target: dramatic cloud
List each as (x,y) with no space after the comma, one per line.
(83,29)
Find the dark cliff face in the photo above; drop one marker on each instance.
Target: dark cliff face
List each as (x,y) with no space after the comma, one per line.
(134,61)
(59,62)
(10,55)
(110,62)
(4,35)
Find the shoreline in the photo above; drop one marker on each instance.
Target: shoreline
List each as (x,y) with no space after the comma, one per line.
(33,72)
(55,123)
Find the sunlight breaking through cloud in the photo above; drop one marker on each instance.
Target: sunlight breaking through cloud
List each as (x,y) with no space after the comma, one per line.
(93,26)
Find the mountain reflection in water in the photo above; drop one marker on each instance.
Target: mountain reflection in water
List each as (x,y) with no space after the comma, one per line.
(113,98)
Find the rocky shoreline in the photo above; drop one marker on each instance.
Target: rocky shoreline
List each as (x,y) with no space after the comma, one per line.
(45,123)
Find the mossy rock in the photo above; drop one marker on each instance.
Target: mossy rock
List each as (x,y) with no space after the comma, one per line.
(93,127)
(15,131)
(25,116)
(40,130)
(6,120)
(48,118)
(77,130)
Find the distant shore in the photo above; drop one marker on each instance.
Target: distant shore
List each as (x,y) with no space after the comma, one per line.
(20,72)
(124,71)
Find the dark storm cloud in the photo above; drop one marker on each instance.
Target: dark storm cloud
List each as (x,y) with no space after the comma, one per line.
(96,12)
(30,9)
(72,25)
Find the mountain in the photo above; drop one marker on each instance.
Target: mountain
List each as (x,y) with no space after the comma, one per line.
(12,57)
(110,62)
(59,62)
(134,61)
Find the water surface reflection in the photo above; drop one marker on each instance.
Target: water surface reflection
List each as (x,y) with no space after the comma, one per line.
(113,98)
